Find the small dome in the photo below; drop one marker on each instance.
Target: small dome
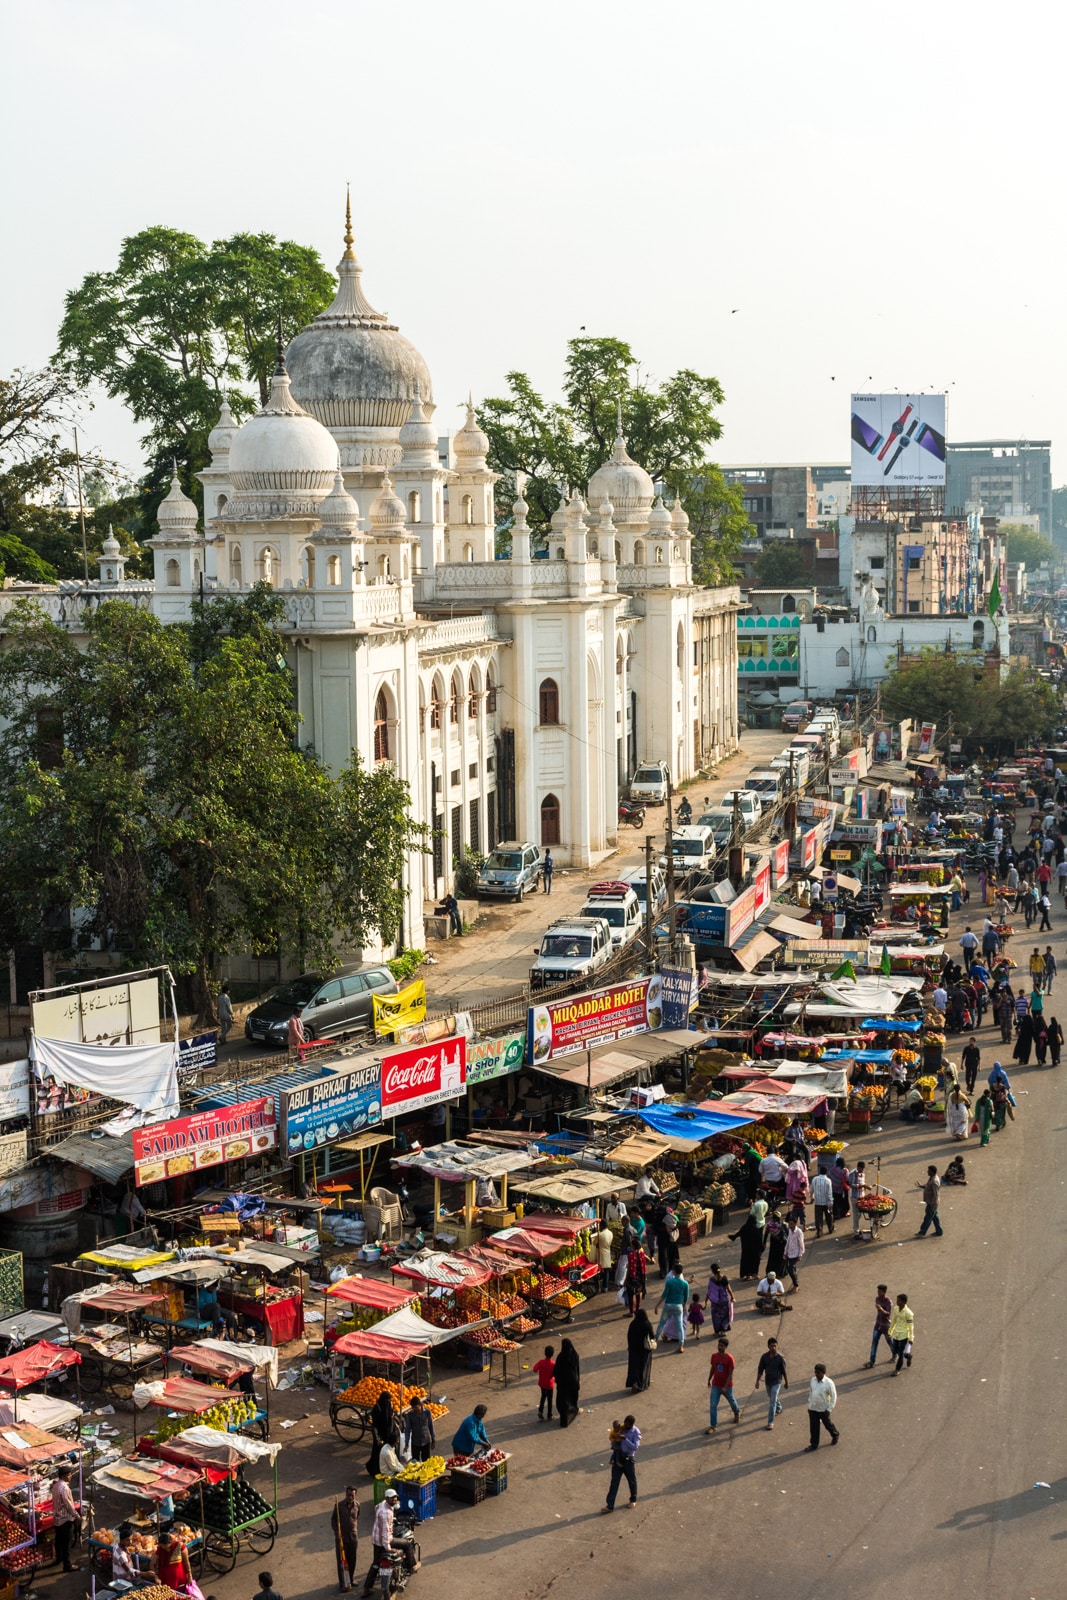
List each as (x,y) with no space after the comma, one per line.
(418,436)
(352,367)
(659,518)
(622,481)
(111,546)
(387,514)
(679,518)
(470,443)
(222,434)
(339,510)
(177,513)
(281,448)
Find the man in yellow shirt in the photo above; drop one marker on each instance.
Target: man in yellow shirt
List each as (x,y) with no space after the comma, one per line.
(901,1332)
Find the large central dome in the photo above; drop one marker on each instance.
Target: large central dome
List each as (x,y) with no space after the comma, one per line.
(352,367)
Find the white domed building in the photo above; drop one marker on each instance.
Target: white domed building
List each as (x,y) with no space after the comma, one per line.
(515,697)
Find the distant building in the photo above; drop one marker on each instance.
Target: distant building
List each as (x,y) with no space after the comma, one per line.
(1006,478)
(777,499)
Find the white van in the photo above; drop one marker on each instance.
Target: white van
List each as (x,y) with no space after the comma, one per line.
(801,764)
(828,731)
(651,783)
(767,784)
(617,903)
(692,849)
(635,877)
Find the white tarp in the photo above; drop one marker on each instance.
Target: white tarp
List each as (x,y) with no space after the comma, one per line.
(407,1324)
(144,1076)
(264,1357)
(40,1410)
(215,1441)
(71,1309)
(880,995)
(811,1077)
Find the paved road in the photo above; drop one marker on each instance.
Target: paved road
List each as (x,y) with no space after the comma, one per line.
(932,1488)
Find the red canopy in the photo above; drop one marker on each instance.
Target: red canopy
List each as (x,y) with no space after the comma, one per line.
(445,1272)
(374,1293)
(497,1261)
(524,1243)
(185,1394)
(551,1222)
(378,1347)
(216,1363)
(12,1480)
(37,1445)
(123,1299)
(30,1366)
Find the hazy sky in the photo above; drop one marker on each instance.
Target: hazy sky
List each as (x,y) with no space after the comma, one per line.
(873,188)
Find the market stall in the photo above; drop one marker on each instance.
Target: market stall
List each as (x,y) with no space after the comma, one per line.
(37,1364)
(191,1290)
(34,1457)
(363,1365)
(230,1512)
(113,1354)
(193,1403)
(18,1531)
(367,1301)
(229,1367)
(478,1168)
(153,1481)
(249,1293)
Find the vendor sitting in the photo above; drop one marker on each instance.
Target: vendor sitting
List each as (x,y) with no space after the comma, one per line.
(954,1172)
(223,1320)
(913,1108)
(123,1562)
(770,1296)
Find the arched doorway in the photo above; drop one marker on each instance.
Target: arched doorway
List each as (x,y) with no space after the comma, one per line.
(550,820)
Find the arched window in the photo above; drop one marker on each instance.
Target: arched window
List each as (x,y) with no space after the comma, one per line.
(659,555)
(639,552)
(235,564)
(560,553)
(436,704)
(414,506)
(620,656)
(455,697)
(468,551)
(872,635)
(307,563)
(618,551)
(384,569)
(789,605)
(220,505)
(679,648)
(842,657)
(196,572)
(381,727)
(548,697)
(467,504)
(267,565)
(490,692)
(550,820)
(173,571)
(333,571)
(978,636)
(473,695)
(677,552)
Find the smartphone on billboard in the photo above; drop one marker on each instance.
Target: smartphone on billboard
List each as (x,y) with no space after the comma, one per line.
(865,434)
(931,440)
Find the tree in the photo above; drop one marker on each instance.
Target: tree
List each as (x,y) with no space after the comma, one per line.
(947,688)
(1027,544)
(668,429)
(153,796)
(780,564)
(177,321)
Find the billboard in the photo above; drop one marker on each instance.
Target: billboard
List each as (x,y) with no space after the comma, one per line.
(331,1108)
(494,1058)
(206,1139)
(898,440)
(123,1012)
(425,1076)
(559,1027)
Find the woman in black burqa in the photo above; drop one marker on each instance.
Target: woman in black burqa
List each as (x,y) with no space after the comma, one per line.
(639,1338)
(568,1383)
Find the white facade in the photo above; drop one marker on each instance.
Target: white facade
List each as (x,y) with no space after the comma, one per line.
(513,697)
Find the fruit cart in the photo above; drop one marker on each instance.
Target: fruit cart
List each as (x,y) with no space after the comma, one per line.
(552,1294)
(231,1367)
(230,1512)
(37,1364)
(143,1478)
(195,1403)
(362,1366)
(368,1300)
(18,1533)
(879,1207)
(113,1354)
(279,1310)
(474,1477)
(34,1457)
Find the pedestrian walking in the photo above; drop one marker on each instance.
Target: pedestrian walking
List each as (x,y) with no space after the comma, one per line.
(972,1060)
(640,1343)
(794,1252)
(548,867)
(297,1034)
(883,1311)
(419,1436)
(568,1383)
(719,1300)
(857,1188)
(1004,1011)
(545,1370)
(1000,1089)
(674,1300)
(625,1438)
(224,1007)
(66,1519)
(983,1115)
(1050,968)
(931,1193)
(636,1282)
(839,1184)
(771,1372)
(695,1316)
(721,1382)
(902,1332)
(604,1240)
(1045,906)
(1055,1041)
(822,1398)
(344,1520)
(822,1195)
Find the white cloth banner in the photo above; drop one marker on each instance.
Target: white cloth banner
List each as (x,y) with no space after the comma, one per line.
(144,1076)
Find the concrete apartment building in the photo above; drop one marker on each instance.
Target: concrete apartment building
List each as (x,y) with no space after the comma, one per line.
(1006,478)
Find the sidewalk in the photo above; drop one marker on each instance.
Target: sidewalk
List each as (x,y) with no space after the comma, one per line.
(494,958)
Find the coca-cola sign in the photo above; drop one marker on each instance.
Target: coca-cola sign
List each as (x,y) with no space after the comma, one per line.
(424,1075)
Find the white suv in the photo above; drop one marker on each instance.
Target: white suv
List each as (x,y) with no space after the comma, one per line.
(651,783)
(618,904)
(748,803)
(574,947)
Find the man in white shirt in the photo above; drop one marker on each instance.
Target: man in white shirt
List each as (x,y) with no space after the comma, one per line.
(857,1188)
(614,1211)
(772,1168)
(940,998)
(822,1197)
(645,1186)
(382,1537)
(822,1398)
(770,1295)
(968,944)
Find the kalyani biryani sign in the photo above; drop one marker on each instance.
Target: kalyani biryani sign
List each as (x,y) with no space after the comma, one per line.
(561,1027)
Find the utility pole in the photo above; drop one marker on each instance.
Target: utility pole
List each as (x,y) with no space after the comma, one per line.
(81,504)
(737,855)
(649,920)
(672,913)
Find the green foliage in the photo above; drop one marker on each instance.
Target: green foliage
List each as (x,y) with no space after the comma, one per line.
(779,563)
(466,873)
(406,964)
(1026,544)
(177,321)
(944,687)
(668,429)
(151,779)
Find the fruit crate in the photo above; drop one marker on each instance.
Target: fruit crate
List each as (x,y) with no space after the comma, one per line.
(417,1500)
(380,1486)
(687,1233)
(477,1358)
(496,1485)
(498,1470)
(467,1486)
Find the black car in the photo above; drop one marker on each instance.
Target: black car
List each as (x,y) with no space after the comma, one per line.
(329,1006)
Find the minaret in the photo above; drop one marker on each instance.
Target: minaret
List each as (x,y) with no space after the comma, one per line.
(471,514)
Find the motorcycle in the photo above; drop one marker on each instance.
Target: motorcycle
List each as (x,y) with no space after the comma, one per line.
(685,813)
(394,1565)
(631,812)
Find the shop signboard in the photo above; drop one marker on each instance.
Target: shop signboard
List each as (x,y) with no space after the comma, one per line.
(206,1139)
(14,1090)
(14,1148)
(494,1058)
(780,864)
(809,849)
(426,1075)
(679,995)
(704,923)
(332,1107)
(927,735)
(862,832)
(559,1028)
(762,885)
(199,1053)
(405,1009)
(125,1011)
(740,913)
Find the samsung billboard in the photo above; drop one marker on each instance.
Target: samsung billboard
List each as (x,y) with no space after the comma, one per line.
(898,440)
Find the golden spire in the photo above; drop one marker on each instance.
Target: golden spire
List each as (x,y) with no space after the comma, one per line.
(349,236)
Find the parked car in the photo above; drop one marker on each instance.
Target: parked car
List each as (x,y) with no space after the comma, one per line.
(651,783)
(635,877)
(796,714)
(748,802)
(800,766)
(692,848)
(329,1006)
(767,784)
(573,947)
(720,823)
(617,903)
(510,871)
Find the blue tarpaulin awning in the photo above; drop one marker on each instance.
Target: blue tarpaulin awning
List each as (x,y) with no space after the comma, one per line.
(857,1055)
(893,1025)
(689,1122)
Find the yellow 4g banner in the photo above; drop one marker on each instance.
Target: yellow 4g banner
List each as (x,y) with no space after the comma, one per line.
(400,1010)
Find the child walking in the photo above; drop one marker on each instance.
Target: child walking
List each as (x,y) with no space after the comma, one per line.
(546,1374)
(695,1316)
